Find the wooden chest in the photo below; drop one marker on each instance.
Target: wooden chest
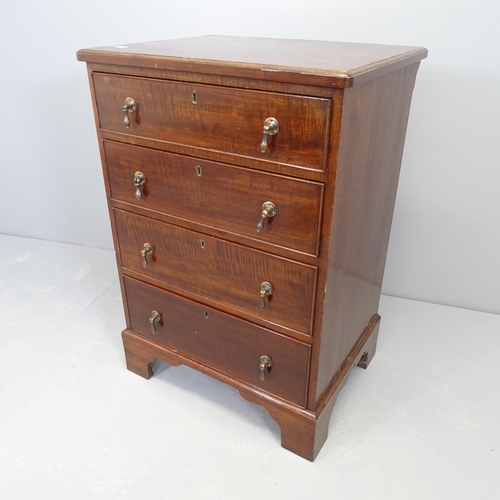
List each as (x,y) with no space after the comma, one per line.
(251,186)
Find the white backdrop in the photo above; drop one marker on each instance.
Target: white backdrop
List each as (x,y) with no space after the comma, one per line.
(445,240)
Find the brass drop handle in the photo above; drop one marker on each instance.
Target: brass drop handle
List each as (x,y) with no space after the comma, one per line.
(268,210)
(128,106)
(265,363)
(155,316)
(147,249)
(271,127)
(139,181)
(265,289)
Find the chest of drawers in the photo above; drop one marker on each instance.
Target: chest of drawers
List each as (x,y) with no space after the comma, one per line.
(251,186)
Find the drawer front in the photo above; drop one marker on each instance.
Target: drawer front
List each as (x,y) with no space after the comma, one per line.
(220,341)
(224,272)
(227,120)
(217,195)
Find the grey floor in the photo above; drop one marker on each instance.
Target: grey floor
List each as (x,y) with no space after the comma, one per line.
(422,422)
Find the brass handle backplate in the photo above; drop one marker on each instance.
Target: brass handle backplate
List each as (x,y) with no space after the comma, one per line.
(265,363)
(268,210)
(139,181)
(147,249)
(265,289)
(128,106)
(271,127)
(155,316)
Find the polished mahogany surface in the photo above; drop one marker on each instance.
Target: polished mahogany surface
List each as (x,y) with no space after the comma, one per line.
(251,185)
(336,64)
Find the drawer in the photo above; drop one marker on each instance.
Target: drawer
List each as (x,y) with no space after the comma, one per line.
(227,274)
(222,119)
(220,341)
(217,195)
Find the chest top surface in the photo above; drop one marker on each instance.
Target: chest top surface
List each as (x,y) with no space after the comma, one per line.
(334,64)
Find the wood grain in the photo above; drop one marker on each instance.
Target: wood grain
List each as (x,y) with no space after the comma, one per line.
(229,120)
(225,197)
(332,171)
(222,271)
(309,62)
(221,341)
(374,120)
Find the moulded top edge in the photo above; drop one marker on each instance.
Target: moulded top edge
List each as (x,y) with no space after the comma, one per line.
(331,64)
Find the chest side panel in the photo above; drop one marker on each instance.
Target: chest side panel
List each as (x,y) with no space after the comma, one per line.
(374,120)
